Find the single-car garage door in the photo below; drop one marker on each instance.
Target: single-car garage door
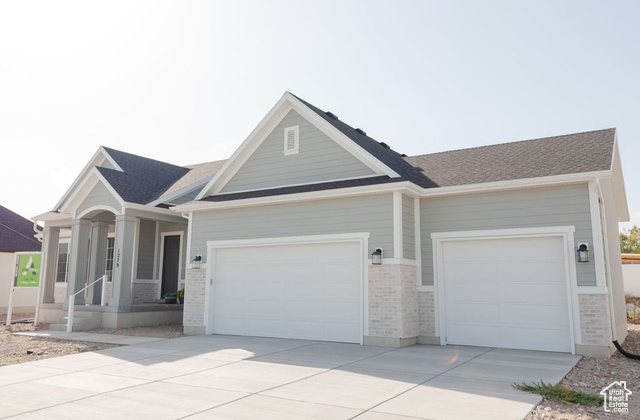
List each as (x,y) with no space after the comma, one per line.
(507,293)
(305,291)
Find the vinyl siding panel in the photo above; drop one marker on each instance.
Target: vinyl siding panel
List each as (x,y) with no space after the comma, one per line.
(408,229)
(373,214)
(99,195)
(319,159)
(535,207)
(186,198)
(146,249)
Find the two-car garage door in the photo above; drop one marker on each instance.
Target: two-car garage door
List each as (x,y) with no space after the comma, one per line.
(506,293)
(306,291)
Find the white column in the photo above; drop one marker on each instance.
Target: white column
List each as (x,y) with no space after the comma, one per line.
(123,261)
(50,243)
(98,259)
(78,259)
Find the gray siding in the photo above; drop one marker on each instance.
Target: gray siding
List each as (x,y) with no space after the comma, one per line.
(536,207)
(319,159)
(100,195)
(371,214)
(186,198)
(146,249)
(408,229)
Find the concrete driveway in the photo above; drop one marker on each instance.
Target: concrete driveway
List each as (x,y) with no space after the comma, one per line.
(224,377)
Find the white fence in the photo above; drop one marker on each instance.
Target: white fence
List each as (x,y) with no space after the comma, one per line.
(631,277)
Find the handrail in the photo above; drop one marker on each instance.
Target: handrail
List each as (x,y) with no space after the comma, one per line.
(72,299)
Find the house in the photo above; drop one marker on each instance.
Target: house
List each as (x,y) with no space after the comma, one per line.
(17,234)
(314,230)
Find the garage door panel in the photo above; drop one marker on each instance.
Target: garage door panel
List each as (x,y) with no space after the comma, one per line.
(470,272)
(473,312)
(550,293)
(533,338)
(527,271)
(516,297)
(532,315)
(469,293)
(530,249)
(474,334)
(310,291)
(470,251)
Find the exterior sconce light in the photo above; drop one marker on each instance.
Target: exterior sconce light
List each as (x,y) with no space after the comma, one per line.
(195,263)
(583,253)
(376,257)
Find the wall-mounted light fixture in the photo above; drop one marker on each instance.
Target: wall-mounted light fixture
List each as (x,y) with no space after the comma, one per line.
(583,253)
(195,263)
(376,256)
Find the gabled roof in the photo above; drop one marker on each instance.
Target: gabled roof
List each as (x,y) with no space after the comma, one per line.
(16,233)
(197,173)
(382,152)
(141,180)
(590,151)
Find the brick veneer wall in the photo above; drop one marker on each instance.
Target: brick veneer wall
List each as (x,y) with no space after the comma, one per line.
(194,299)
(144,292)
(426,314)
(393,301)
(594,319)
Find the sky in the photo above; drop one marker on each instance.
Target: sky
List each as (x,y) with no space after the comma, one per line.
(186,81)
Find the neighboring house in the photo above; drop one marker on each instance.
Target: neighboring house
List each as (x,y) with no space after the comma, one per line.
(478,246)
(17,234)
(631,274)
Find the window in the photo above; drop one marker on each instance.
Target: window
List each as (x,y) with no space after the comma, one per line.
(62,272)
(109,265)
(291,140)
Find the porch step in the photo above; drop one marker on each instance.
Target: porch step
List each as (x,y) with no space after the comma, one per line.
(82,321)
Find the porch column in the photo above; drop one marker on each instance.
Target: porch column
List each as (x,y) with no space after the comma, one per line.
(98,259)
(50,243)
(78,259)
(123,261)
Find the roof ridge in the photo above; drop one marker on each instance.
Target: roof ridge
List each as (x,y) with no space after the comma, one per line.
(109,149)
(510,142)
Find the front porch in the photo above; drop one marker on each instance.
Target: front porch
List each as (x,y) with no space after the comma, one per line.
(142,253)
(88,317)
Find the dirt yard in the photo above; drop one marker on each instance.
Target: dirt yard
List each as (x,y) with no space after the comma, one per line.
(21,349)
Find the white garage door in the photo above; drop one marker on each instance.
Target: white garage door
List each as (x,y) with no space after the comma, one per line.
(507,293)
(306,291)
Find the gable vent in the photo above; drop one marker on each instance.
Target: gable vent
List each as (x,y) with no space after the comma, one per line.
(361,131)
(291,140)
(332,115)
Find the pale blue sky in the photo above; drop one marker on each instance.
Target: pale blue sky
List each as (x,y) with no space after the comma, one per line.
(186,82)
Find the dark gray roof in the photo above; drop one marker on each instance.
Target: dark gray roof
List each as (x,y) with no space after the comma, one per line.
(386,155)
(560,155)
(143,180)
(16,233)
(302,188)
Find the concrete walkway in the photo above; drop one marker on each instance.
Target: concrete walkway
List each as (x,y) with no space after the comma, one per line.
(225,377)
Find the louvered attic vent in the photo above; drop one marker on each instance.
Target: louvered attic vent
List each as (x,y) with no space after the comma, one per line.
(291,140)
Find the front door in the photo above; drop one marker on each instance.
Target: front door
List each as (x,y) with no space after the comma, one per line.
(170,264)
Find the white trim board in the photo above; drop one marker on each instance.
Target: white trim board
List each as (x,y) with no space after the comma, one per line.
(564,232)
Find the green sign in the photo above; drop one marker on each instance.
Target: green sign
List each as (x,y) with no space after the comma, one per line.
(28,270)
